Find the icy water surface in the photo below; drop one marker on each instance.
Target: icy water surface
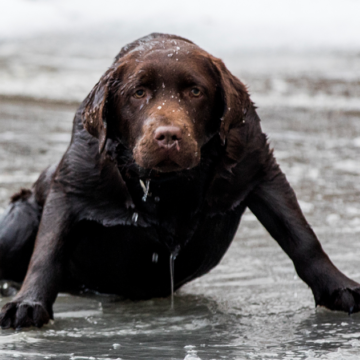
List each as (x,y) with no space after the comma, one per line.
(251,306)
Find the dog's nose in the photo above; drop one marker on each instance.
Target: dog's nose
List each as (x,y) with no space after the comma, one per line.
(167,136)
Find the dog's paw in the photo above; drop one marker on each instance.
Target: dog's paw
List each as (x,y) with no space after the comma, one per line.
(343,299)
(22,314)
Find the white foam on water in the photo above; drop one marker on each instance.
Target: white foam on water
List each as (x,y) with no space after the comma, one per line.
(18,178)
(73,52)
(17,338)
(78,314)
(347,165)
(191,357)
(303,100)
(309,24)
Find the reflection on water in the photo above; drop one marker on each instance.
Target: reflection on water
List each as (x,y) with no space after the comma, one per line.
(261,326)
(251,306)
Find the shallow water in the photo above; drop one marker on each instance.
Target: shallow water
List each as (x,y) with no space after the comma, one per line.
(252,305)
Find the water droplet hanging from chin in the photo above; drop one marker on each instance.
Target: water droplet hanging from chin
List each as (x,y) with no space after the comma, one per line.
(135,217)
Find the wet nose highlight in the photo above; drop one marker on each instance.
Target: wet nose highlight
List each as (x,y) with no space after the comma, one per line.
(167,136)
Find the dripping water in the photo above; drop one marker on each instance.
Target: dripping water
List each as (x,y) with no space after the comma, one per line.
(135,217)
(173,256)
(172,263)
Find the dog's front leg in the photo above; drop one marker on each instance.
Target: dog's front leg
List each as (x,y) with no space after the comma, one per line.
(32,306)
(274,203)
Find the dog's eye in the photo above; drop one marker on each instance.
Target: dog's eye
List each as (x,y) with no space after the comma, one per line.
(195,92)
(139,94)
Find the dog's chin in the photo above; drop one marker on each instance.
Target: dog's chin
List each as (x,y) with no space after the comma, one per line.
(167,166)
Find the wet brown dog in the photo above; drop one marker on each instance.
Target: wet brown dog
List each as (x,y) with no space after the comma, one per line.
(166,154)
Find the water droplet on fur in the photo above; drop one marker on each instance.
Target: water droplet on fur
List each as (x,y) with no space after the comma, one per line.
(142,184)
(159,107)
(145,188)
(135,217)
(163,85)
(155,257)
(177,59)
(170,55)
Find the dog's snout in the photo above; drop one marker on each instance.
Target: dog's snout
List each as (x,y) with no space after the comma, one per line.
(166,136)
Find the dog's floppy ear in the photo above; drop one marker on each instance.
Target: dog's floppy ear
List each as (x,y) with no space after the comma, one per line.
(246,149)
(236,99)
(95,111)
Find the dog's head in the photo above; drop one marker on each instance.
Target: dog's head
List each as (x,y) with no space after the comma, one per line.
(164,98)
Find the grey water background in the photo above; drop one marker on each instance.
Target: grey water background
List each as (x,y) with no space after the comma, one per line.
(302,65)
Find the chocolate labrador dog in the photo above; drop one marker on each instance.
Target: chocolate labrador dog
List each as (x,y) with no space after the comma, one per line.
(166,154)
